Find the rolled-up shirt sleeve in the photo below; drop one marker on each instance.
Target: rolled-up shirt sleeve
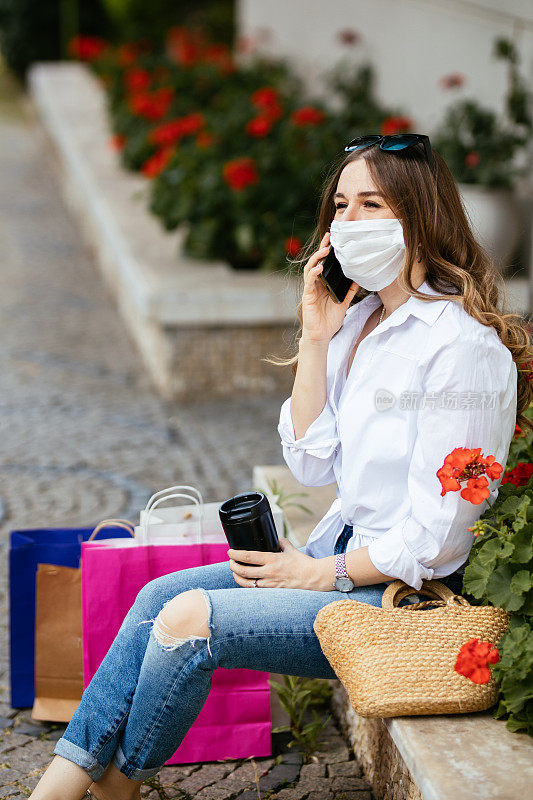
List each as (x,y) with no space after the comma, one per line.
(310,458)
(477,375)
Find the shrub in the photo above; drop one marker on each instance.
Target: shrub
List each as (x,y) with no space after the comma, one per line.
(238,153)
(500,573)
(481,146)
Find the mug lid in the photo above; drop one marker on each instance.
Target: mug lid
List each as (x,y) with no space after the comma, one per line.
(244,506)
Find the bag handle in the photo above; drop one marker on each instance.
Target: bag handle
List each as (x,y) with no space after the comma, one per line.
(160,497)
(111,523)
(162,492)
(442,595)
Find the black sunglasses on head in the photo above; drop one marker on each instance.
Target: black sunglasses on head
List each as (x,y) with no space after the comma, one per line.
(394,143)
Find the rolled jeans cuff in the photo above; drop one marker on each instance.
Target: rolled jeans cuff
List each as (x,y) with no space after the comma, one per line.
(81,757)
(120,761)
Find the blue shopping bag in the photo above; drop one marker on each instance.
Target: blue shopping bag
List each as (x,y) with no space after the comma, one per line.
(61,546)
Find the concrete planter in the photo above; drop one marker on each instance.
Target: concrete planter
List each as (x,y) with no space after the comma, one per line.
(495,218)
(202,328)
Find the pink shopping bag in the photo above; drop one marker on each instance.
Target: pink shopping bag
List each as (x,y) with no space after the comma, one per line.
(235,721)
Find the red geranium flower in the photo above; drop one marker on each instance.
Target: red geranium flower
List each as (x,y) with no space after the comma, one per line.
(204,139)
(87,48)
(157,162)
(137,80)
(192,123)
(472,159)
(348,37)
(468,464)
(520,475)
(240,173)
(183,46)
(117,141)
(220,56)
(474,658)
(476,490)
(152,106)
(166,134)
(293,246)
(264,98)
(170,132)
(273,113)
(492,469)
(307,115)
(259,127)
(127,54)
(452,81)
(394,125)
(245,44)
(517,431)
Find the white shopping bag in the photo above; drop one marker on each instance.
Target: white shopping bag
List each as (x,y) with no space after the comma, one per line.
(194,523)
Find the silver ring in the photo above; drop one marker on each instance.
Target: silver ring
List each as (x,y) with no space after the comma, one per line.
(255,583)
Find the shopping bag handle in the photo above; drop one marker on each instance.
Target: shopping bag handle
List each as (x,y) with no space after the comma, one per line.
(162,492)
(112,523)
(153,505)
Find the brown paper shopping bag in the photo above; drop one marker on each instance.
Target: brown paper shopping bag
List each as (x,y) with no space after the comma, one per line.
(58,637)
(58,643)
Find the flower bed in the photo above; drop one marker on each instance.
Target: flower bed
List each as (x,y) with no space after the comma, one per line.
(236,152)
(500,573)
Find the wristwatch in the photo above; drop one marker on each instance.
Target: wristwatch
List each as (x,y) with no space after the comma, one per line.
(343,582)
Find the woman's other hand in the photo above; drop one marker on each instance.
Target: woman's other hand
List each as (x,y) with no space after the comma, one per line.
(290,569)
(321,316)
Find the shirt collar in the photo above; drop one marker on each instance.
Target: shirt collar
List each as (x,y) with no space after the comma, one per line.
(426,310)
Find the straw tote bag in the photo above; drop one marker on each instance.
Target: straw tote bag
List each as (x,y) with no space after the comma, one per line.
(399,661)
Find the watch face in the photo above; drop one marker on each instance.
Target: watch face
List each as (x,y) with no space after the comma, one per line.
(344,584)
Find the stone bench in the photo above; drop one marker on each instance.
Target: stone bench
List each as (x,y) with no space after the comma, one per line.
(438,757)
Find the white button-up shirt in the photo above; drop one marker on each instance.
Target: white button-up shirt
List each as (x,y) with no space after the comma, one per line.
(428,379)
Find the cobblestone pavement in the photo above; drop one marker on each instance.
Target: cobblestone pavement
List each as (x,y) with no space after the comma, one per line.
(83,436)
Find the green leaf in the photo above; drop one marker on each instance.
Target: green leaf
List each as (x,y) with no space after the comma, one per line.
(527,608)
(276,685)
(521,582)
(523,545)
(510,506)
(475,578)
(499,589)
(492,550)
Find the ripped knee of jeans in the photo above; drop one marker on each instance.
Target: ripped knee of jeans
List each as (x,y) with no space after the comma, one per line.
(166,637)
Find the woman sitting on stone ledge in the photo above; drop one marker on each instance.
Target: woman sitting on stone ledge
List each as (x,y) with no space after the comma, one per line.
(415,361)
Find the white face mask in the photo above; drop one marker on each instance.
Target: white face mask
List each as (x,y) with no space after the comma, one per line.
(370,251)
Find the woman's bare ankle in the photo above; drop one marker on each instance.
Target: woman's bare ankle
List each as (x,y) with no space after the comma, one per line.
(114,785)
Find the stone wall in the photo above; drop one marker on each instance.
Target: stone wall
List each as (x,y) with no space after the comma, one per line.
(382,764)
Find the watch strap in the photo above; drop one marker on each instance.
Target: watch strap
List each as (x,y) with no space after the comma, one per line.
(340,566)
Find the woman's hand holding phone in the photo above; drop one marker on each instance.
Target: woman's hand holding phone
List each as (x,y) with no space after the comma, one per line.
(321,315)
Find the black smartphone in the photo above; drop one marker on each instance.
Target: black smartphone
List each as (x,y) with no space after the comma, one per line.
(333,278)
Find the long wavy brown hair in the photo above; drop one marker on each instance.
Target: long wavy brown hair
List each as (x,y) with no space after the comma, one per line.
(457,267)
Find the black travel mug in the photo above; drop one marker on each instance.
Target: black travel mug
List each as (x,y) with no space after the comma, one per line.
(248,523)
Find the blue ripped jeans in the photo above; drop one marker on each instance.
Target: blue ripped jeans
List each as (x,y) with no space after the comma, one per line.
(144,696)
